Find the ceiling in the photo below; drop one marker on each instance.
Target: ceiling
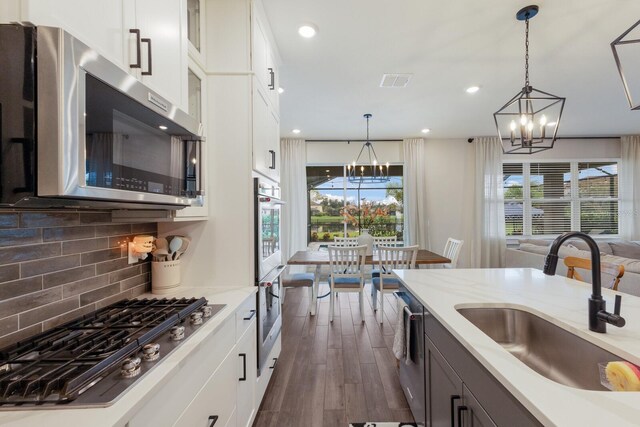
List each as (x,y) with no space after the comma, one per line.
(331,80)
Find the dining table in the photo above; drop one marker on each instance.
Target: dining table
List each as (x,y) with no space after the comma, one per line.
(318,258)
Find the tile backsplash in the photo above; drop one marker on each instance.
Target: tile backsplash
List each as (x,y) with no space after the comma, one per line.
(55,266)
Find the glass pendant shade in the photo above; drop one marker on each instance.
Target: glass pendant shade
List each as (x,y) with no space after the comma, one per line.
(626,52)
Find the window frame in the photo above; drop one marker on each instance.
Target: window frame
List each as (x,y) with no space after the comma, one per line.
(574,199)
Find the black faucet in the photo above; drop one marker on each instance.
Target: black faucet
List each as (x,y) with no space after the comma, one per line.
(598,315)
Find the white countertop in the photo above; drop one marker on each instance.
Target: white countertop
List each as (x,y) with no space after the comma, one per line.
(134,398)
(557,299)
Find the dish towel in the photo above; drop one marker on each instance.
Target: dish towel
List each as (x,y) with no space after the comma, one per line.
(401,338)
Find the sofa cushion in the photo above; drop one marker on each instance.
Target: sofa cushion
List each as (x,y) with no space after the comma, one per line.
(604,247)
(537,242)
(626,249)
(630,265)
(564,251)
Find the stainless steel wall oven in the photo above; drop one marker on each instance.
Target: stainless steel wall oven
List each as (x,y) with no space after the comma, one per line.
(268,266)
(76,130)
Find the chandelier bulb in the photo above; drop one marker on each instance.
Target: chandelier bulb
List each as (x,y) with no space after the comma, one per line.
(543,120)
(530,125)
(512,126)
(375,162)
(523,119)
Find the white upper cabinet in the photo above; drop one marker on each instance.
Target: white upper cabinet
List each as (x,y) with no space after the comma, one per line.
(147,38)
(264,58)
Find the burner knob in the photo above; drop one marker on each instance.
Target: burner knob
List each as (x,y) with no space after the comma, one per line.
(130,367)
(177,333)
(151,351)
(196,318)
(207,311)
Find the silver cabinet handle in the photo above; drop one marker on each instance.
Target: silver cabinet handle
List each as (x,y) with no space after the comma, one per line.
(273,159)
(272,85)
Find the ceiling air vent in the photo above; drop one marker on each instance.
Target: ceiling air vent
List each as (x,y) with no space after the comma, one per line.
(395,80)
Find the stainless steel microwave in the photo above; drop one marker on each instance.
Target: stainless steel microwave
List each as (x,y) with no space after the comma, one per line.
(78,131)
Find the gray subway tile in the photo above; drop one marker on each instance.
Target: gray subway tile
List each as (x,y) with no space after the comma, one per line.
(87,245)
(99,256)
(48,219)
(17,288)
(134,281)
(43,266)
(20,335)
(84,286)
(9,272)
(29,301)
(113,230)
(99,294)
(110,300)
(71,315)
(109,266)
(139,290)
(48,311)
(29,252)
(9,220)
(68,233)
(125,273)
(95,217)
(68,276)
(8,325)
(146,228)
(20,236)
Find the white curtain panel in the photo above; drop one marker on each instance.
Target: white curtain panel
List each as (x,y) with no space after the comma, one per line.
(629,175)
(489,241)
(293,181)
(416,223)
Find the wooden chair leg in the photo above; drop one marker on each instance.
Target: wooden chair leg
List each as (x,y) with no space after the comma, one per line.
(381,307)
(361,295)
(374,297)
(311,300)
(331,296)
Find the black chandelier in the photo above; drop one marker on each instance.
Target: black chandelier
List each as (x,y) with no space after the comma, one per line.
(370,172)
(528,123)
(619,45)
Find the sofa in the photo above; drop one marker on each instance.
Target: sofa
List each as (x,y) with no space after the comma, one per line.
(531,253)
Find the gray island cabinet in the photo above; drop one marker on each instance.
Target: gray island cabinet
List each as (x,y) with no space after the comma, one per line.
(460,391)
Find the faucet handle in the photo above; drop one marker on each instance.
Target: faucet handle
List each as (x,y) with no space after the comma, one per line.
(617,304)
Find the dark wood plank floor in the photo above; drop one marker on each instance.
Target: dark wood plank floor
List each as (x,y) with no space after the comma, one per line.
(331,374)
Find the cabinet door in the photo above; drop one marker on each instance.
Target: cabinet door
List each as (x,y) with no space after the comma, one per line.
(101,24)
(272,67)
(261,157)
(273,131)
(259,54)
(247,374)
(164,56)
(474,415)
(444,389)
(216,399)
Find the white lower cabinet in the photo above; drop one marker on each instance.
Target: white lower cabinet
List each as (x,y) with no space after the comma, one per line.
(263,380)
(217,384)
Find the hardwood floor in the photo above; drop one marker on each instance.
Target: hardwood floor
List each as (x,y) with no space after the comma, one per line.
(331,374)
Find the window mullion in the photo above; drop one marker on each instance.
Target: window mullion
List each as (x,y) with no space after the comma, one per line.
(575,197)
(527,227)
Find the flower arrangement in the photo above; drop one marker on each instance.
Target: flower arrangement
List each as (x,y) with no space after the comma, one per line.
(362,217)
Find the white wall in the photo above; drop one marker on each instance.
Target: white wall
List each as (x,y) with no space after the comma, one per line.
(450,167)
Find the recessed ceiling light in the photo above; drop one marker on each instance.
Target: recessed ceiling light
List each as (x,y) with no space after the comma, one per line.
(163,127)
(280,90)
(307,30)
(296,131)
(473,89)
(425,130)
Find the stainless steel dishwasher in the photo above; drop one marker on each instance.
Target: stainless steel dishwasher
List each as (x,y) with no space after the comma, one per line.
(412,366)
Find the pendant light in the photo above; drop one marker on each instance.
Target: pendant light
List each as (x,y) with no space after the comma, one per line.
(369,170)
(528,123)
(624,43)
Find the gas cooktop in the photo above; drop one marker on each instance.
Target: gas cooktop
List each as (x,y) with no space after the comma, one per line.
(92,360)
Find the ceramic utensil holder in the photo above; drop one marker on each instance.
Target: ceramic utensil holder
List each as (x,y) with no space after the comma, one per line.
(165,276)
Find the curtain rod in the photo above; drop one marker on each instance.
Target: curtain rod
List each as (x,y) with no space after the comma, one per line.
(470,140)
(352,140)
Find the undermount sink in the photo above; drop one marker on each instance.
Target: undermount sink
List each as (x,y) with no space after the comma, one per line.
(544,347)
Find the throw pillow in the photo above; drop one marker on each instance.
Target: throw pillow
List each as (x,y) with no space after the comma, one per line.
(584,246)
(625,249)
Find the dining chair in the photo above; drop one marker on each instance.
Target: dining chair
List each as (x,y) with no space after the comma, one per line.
(346,265)
(390,258)
(345,241)
(614,270)
(452,251)
(298,280)
(385,241)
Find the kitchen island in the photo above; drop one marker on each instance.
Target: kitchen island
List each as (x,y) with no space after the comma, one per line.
(558,300)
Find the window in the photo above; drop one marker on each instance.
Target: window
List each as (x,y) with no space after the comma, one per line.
(329,191)
(550,198)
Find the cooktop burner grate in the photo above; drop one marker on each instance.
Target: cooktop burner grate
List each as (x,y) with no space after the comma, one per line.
(58,365)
